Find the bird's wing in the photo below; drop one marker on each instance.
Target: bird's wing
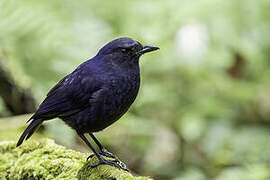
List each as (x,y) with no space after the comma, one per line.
(72,94)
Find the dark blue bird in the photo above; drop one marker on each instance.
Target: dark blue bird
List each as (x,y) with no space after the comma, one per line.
(96,94)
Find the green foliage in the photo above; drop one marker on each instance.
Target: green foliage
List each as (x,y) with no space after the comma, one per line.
(203,108)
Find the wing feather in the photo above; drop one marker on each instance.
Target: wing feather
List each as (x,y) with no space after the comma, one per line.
(70,95)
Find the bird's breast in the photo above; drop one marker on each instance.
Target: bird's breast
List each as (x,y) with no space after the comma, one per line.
(110,104)
(125,90)
(122,93)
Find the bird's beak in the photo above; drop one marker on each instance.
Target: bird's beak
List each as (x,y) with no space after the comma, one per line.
(147,49)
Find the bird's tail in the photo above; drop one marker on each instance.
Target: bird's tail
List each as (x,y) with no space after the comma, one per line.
(33,126)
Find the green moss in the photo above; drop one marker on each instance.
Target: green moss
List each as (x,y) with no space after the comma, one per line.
(105,172)
(46,160)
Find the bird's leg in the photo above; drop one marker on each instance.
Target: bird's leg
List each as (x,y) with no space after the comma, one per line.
(105,152)
(101,160)
(90,146)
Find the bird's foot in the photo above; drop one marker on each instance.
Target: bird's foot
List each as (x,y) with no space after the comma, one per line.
(108,154)
(110,163)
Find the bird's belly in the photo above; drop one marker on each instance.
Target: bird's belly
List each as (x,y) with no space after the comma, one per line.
(103,114)
(113,109)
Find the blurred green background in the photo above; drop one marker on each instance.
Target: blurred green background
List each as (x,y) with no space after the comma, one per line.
(203,110)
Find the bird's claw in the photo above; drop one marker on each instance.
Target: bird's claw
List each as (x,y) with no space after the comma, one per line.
(114,162)
(123,165)
(110,163)
(106,153)
(89,157)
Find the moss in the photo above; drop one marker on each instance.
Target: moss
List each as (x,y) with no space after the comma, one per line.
(105,172)
(46,160)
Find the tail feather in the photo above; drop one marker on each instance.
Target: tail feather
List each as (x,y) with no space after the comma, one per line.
(33,126)
(32,131)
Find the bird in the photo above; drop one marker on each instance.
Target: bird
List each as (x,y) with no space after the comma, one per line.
(95,95)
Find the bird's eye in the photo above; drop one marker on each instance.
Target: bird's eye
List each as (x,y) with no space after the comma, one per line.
(124,50)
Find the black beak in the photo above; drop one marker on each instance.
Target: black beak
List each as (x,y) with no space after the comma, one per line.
(147,49)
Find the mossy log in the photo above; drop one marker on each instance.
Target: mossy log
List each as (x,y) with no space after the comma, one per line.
(47,160)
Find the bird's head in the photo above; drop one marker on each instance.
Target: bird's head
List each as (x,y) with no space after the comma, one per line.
(125,50)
